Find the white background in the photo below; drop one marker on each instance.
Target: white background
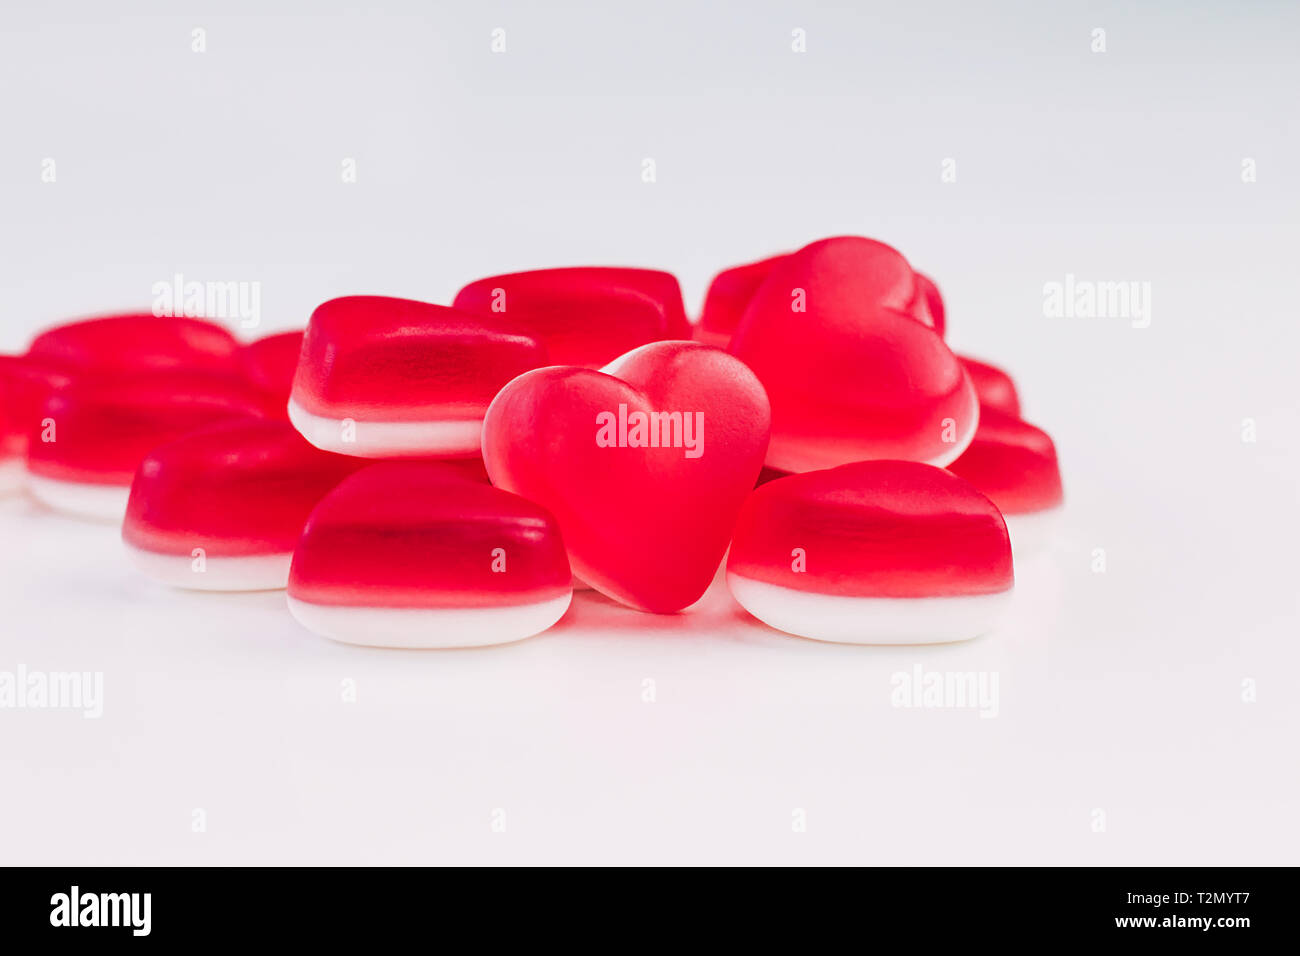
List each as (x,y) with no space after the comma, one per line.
(1120,692)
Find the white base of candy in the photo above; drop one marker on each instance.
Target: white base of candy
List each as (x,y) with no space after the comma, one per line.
(80,499)
(12,475)
(389,439)
(429,627)
(250,572)
(868,620)
(1032,533)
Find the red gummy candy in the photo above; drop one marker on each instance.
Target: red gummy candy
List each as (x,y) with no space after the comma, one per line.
(872,552)
(646,503)
(994,387)
(728,296)
(383,378)
(239,491)
(270,363)
(93,433)
(583,316)
(1012,462)
(139,342)
(851,371)
(411,554)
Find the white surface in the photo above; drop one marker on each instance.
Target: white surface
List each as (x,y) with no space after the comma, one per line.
(431,628)
(867,620)
(1033,532)
(251,572)
(388,439)
(1119,691)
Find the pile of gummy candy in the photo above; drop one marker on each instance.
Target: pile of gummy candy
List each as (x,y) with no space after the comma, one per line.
(420,475)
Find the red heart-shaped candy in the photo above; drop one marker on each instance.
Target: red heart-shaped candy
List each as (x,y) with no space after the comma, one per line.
(644,464)
(852,369)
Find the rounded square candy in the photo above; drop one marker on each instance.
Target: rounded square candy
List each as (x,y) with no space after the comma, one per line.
(583,316)
(395,378)
(874,552)
(139,342)
(411,554)
(655,284)
(221,508)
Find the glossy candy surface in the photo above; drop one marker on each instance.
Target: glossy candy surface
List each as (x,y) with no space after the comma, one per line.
(393,378)
(583,316)
(872,552)
(646,524)
(852,374)
(412,554)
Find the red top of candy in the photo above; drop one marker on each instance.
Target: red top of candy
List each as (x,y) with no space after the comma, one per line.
(873,529)
(583,316)
(416,534)
(376,358)
(101,429)
(139,342)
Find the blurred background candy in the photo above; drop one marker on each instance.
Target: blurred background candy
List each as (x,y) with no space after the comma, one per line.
(221,508)
(92,434)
